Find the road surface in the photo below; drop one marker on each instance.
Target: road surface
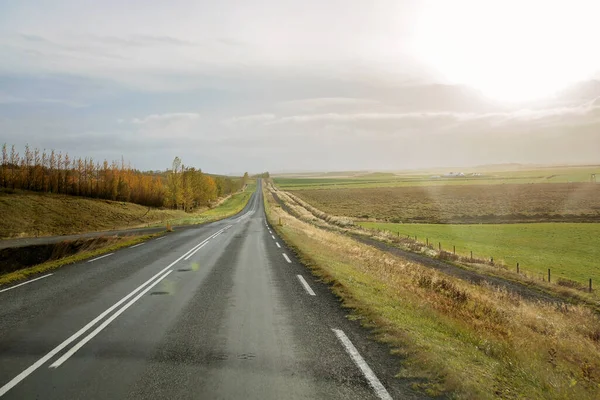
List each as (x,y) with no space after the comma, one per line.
(220,311)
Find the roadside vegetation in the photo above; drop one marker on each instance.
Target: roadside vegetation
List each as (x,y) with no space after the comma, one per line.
(569,250)
(181,187)
(230,206)
(68,252)
(23,262)
(453,337)
(28,214)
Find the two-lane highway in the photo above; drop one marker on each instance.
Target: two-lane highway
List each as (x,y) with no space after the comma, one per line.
(222,310)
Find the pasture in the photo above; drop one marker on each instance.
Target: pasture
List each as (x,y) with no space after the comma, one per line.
(570,250)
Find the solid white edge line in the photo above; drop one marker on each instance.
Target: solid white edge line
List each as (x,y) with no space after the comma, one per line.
(96,331)
(25,283)
(24,374)
(277,243)
(160,238)
(306,286)
(136,245)
(360,362)
(287,258)
(97,258)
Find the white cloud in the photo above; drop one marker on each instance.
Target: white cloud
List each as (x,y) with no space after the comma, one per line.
(327,102)
(500,117)
(249,119)
(165,118)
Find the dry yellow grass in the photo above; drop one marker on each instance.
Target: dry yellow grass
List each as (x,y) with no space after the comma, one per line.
(41,214)
(472,341)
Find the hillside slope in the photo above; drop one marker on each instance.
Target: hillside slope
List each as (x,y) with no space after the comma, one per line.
(41,214)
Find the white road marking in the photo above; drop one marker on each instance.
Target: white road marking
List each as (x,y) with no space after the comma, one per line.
(277,243)
(201,245)
(194,252)
(136,245)
(360,362)
(273,237)
(97,258)
(96,331)
(80,332)
(306,286)
(270,231)
(287,258)
(25,283)
(161,238)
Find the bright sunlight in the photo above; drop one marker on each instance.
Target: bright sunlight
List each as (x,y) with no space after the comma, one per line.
(511,50)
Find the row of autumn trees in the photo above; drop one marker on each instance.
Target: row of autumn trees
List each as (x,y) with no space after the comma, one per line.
(53,172)
(188,187)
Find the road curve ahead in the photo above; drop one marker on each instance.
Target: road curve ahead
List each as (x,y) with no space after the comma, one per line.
(219,311)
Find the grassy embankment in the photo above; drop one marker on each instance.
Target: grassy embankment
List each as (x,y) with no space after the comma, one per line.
(570,250)
(27,214)
(453,337)
(94,249)
(230,206)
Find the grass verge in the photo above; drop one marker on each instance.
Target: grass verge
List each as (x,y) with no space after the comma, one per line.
(25,273)
(231,206)
(464,340)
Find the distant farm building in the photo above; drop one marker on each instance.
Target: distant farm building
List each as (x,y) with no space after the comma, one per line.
(454,174)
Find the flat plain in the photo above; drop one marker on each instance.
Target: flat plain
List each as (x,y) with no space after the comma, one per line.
(542,218)
(490,175)
(558,202)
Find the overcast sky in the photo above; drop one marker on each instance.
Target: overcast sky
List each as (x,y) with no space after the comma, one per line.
(283,85)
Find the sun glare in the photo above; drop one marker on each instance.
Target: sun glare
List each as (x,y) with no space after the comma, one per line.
(511,50)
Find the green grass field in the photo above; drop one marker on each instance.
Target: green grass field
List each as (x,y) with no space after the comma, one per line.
(425,178)
(570,250)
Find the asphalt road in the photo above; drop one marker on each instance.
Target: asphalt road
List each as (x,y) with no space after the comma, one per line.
(220,311)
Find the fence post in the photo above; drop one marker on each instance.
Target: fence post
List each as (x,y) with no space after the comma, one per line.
(548,275)
(453,249)
(416,238)
(471,255)
(427,241)
(398,233)
(440,245)
(590,285)
(517,268)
